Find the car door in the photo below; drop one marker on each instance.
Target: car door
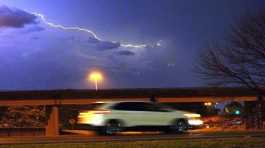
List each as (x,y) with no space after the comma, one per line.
(157,115)
(135,113)
(130,112)
(143,110)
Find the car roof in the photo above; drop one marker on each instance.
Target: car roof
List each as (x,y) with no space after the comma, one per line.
(107,104)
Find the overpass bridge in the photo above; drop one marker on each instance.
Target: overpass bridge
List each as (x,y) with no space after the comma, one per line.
(67,97)
(56,98)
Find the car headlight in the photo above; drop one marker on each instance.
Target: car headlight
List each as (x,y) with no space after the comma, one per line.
(195,122)
(190,115)
(194,119)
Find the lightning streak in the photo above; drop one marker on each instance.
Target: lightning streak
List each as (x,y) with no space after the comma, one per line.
(133,46)
(93,34)
(42,17)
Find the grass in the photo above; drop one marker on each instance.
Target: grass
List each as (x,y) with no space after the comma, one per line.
(228,143)
(224,133)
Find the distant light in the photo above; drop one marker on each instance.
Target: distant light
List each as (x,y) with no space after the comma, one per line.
(100,102)
(208,103)
(237,112)
(95,77)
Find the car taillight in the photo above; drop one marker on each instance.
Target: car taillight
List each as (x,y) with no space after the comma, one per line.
(101,112)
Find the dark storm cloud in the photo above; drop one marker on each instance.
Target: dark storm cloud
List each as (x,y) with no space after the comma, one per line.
(126,53)
(105,45)
(35,29)
(92,40)
(15,18)
(94,43)
(35,38)
(102,45)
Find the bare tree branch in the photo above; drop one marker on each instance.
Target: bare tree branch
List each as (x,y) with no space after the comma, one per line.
(241,61)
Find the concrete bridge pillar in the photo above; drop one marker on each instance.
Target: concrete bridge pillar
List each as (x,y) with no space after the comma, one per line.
(52,128)
(249,117)
(254,114)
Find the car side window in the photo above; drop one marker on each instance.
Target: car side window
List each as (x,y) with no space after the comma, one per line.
(133,106)
(159,108)
(123,106)
(147,106)
(153,107)
(138,106)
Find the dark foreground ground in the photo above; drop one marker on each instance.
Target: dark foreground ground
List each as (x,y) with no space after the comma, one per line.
(199,143)
(200,139)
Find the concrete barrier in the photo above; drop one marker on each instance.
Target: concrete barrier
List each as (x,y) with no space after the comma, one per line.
(22,132)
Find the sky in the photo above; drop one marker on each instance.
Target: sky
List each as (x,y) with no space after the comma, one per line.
(55,44)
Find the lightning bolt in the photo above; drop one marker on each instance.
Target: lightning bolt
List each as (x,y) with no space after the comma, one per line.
(133,46)
(43,18)
(90,32)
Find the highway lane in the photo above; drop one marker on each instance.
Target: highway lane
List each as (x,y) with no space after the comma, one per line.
(133,137)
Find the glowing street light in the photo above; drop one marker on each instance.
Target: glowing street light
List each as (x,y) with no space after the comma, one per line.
(95,77)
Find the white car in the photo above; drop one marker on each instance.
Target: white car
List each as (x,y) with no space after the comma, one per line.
(112,117)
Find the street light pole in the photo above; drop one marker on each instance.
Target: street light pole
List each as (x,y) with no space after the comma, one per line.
(96,84)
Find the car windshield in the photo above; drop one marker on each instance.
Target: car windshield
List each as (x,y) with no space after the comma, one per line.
(165,107)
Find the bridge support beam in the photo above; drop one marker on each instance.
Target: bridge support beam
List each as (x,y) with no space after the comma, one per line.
(254,117)
(249,114)
(52,128)
(260,111)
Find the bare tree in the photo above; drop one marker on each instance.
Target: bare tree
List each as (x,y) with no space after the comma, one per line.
(240,60)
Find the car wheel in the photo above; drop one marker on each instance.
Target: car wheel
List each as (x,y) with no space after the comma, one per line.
(112,127)
(180,126)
